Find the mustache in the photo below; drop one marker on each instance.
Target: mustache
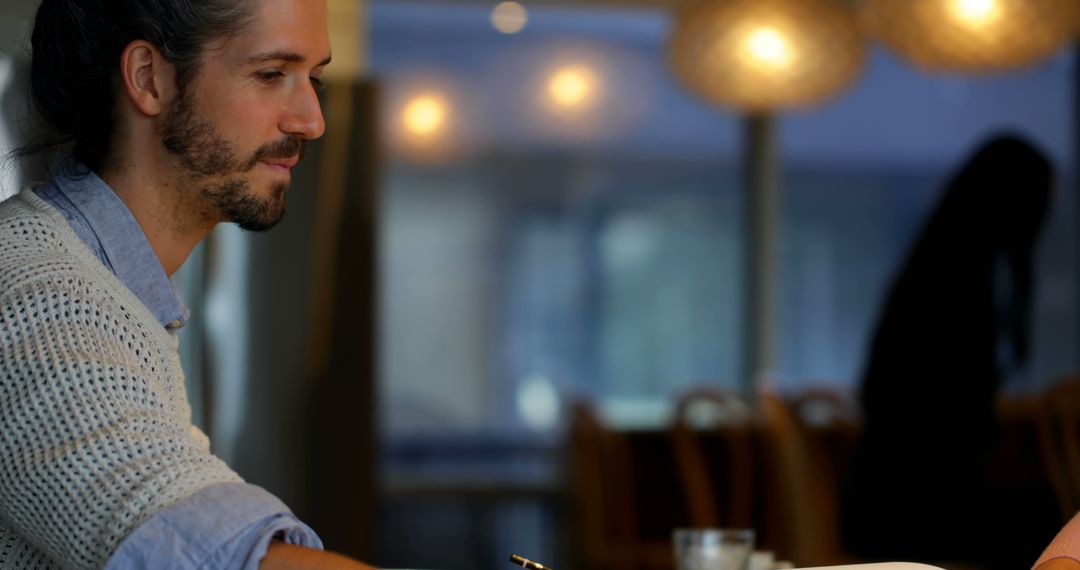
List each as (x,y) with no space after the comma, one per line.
(287,147)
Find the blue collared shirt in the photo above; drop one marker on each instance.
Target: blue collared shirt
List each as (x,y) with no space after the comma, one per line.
(227,525)
(104,223)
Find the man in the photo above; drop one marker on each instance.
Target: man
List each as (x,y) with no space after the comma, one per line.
(179,114)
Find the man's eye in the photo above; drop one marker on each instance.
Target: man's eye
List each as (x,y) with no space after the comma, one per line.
(317,83)
(269,76)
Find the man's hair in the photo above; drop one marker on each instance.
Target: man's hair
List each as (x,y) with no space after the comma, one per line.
(75,60)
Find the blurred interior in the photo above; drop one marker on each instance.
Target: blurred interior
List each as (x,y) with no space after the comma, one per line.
(506,311)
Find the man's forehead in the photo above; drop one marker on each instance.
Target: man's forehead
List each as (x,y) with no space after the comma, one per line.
(289,30)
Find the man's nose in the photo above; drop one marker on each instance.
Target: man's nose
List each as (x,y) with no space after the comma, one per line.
(304,116)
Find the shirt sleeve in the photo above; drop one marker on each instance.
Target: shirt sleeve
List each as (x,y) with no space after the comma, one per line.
(224,526)
(95,430)
(1066,544)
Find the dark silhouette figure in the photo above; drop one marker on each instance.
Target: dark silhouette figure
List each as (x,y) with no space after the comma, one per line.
(956,319)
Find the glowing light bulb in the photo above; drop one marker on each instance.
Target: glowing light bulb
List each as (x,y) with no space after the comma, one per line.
(509,17)
(975,12)
(571,86)
(766,45)
(424,115)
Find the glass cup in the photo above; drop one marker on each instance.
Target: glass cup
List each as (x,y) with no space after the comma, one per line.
(713,548)
(761,560)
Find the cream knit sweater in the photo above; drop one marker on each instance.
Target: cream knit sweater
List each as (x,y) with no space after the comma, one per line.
(95,427)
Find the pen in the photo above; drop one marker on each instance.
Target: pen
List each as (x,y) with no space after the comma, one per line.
(526,563)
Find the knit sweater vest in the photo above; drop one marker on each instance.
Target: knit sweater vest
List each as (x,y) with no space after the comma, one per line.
(95,427)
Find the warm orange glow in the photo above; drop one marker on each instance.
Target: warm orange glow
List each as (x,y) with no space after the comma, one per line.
(572,86)
(767,46)
(509,17)
(975,12)
(425,115)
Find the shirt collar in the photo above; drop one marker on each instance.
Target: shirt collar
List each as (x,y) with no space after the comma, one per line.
(126,250)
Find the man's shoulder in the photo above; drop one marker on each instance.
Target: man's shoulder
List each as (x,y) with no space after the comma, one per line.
(34,245)
(26,220)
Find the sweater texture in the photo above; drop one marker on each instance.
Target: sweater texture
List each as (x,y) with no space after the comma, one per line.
(95,427)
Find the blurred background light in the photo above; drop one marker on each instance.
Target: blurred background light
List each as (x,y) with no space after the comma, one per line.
(430,117)
(509,17)
(975,12)
(972,36)
(573,87)
(538,402)
(425,115)
(570,92)
(765,54)
(768,46)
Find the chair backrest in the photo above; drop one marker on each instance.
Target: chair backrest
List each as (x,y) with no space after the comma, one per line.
(826,407)
(806,486)
(727,421)
(1059,442)
(831,423)
(601,486)
(604,481)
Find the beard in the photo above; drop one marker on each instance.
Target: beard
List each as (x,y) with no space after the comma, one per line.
(222,178)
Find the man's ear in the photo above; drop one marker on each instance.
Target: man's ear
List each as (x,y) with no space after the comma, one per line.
(149,79)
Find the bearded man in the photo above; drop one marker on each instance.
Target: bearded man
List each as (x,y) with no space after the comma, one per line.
(172,116)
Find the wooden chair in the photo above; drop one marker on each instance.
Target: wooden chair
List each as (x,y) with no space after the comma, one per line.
(831,421)
(826,407)
(806,487)
(1059,442)
(602,488)
(724,420)
(1019,460)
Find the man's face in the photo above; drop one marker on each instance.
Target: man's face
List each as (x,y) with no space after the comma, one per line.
(240,125)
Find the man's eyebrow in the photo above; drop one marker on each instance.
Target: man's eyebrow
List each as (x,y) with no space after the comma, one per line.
(291,57)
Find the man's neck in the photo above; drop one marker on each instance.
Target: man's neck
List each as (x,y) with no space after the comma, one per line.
(166,213)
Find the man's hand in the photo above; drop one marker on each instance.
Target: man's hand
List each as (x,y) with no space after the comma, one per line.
(1059,564)
(281,556)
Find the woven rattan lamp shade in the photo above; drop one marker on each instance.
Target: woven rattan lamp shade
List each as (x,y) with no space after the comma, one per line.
(758,55)
(972,36)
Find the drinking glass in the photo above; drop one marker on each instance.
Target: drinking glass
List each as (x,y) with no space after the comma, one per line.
(713,548)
